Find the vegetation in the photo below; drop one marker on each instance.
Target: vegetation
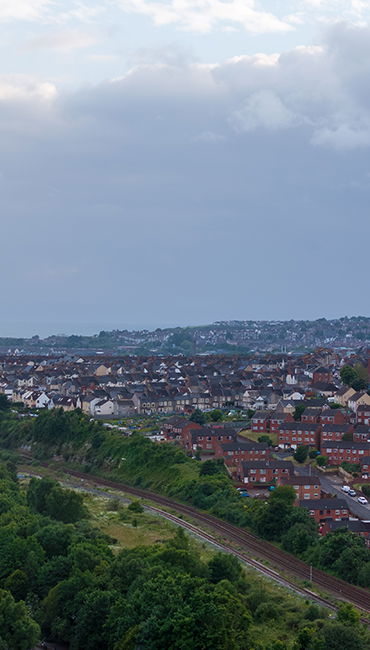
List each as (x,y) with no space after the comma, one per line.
(355,376)
(64,582)
(301,454)
(166,469)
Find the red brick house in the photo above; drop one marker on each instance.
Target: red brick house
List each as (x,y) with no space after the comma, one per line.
(264,471)
(294,434)
(277,418)
(311,415)
(260,422)
(334,416)
(335,432)
(345,451)
(323,509)
(306,487)
(361,528)
(361,433)
(365,467)
(208,439)
(363,414)
(322,375)
(236,452)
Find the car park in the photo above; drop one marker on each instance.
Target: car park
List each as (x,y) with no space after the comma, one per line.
(362,500)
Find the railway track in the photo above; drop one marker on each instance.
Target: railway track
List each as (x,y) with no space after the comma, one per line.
(247,542)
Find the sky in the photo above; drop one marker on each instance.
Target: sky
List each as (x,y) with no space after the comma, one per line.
(175,162)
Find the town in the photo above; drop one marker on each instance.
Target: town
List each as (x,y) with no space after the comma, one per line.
(274,419)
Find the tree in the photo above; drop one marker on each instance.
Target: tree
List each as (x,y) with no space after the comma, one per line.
(198,416)
(322,461)
(4,403)
(301,454)
(298,539)
(347,614)
(212,466)
(266,439)
(348,375)
(223,566)
(299,409)
(216,415)
(18,630)
(135,506)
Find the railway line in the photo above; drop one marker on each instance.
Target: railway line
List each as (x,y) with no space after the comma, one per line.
(247,542)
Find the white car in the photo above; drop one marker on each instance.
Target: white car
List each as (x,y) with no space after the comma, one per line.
(345,488)
(362,500)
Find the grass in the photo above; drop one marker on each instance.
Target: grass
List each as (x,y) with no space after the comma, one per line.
(254,435)
(127,528)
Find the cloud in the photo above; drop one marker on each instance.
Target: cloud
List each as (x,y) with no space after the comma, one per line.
(178,183)
(263,109)
(23,9)
(65,41)
(204,15)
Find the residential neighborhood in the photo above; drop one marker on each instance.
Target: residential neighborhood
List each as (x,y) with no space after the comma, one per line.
(254,412)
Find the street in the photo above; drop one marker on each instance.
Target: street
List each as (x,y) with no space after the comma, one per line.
(332,484)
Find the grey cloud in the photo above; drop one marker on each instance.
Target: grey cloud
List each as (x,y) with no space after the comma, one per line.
(141,200)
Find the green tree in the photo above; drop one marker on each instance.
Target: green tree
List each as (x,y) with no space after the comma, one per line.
(198,416)
(301,454)
(322,461)
(348,614)
(18,630)
(216,415)
(223,566)
(266,439)
(135,506)
(4,403)
(348,375)
(211,467)
(299,409)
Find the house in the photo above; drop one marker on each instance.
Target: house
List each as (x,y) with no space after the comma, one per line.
(343,395)
(236,452)
(355,526)
(207,439)
(358,399)
(264,471)
(361,433)
(345,451)
(363,414)
(277,418)
(323,509)
(365,467)
(306,487)
(260,422)
(322,375)
(311,415)
(335,432)
(104,407)
(295,434)
(334,416)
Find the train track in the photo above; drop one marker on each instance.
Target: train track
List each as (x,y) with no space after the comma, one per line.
(249,542)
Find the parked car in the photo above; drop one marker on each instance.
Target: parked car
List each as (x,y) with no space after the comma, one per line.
(351,493)
(362,500)
(345,488)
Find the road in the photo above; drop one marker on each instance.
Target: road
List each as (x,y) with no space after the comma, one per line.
(332,484)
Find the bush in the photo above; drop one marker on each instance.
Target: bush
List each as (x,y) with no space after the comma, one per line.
(301,453)
(366,490)
(135,506)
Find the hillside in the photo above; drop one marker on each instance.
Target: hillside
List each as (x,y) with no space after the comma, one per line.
(233,337)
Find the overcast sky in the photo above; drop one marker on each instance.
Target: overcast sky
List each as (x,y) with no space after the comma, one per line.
(182,161)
